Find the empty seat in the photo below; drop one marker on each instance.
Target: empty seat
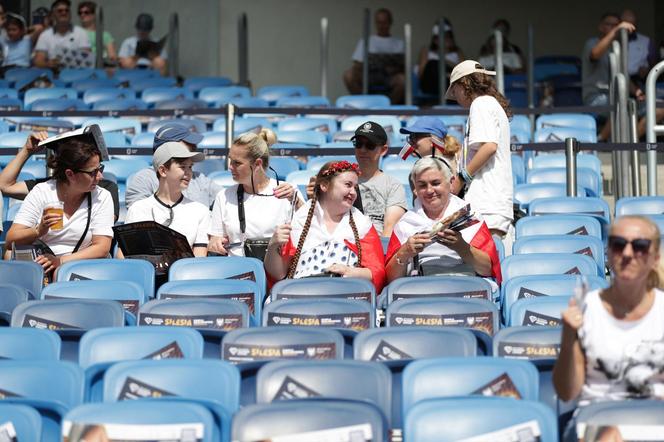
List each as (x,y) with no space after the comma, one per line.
(635,415)
(24,422)
(308,416)
(242,124)
(11,295)
(446,286)
(134,270)
(127,75)
(587,178)
(32,95)
(538,311)
(363,101)
(193,124)
(180,103)
(547,264)
(28,275)
(128,126)
(215,94)
(484,418)
(274,93)
(88,84)
(95,95)
(580,121)
(558,225)
(196,84)
(58,104)
(314,164)
(302,137)
(124,167)
(308,101)
(141,84)
(577,244)
(640,205)
(119,104)
(101,347)
(559,134)
(595,207)
(558,160)
(347,314)
(29,344)
(346,288)
(323,124)
(532,343)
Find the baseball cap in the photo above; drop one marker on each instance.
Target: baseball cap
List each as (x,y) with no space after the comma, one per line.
(426,125)
(374,132)
(144,22)
(174,149)
(465,68)
(175,132)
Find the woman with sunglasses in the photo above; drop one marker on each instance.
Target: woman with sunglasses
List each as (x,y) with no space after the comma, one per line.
(83,230)
(173,163)
(251,209)
(612,345)
(466,249)
(328,236)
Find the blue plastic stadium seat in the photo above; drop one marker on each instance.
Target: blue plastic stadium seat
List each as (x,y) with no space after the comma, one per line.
(587,178)
(28,275)
(520,122)
(349,315)
(314,164)
(32,95)
(578,244)
(92,96)
(24,420)
(518,136)
(639,415)
(558,135)
(180,103)
(558,225)
(129,126)
(242,102)
(274,93)
(284,165)
(214,95)
(558,160)
(190,418)
(128,75)
(595,207)
(518,168)
(196,84)
(363,101)
(141,84)
(547,264)
(465,418)
(213,140)
(11,295)
(119,104)
(222,178)
(577,121)
(193,124)
(101,347)
(289,418)
(71,75)
(303,137)
(6,92)
(11,104)
(307,288)
(29,344)
(92,84)
(135,270)
(301,177)
(323,124)
(640,205)
(438,286)
(18,74)
(538,311)
(122,169)
(306,101)
(144,139)
(58,104)
(153,95)
(525,193)
(242,125)
(51,387)
(532,343)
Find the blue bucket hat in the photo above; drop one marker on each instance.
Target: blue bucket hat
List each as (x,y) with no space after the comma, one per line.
(175,132)
(426,125)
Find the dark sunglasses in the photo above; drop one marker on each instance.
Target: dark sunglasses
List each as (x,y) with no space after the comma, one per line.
(640,246)
(357,144)
(168,221)
(93,173)
(85,12)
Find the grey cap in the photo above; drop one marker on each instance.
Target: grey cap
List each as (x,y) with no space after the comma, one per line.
(174,149)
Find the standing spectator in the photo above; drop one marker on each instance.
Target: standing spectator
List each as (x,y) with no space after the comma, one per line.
(387,74)
(64,44)
(16,46)
(641,54)
(512,56)
(145,183)
(427,68)
(485,171)
(87,13)
(140,51)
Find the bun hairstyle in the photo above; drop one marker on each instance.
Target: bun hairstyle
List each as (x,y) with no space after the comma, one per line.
(452,145)
(325,176)
(258,145)
(72,154)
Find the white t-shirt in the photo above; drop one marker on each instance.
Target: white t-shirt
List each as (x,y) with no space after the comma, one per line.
(624,359)
(190,218)
(62,242)
(491,190)
(378,45)
(262,215)
(59,45)
(128,49)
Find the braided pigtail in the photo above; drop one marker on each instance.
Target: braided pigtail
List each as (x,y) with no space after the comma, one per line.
(351,221)
(303,236)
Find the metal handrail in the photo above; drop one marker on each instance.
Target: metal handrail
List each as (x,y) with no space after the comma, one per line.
(408,62)
(500,69)
(366,33)
(652,129)
(442,65)
(243,50)
(324,55)
(174,45)
(571,149)
(99,38)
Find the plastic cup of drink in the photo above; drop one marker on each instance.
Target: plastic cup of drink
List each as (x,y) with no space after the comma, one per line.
(57,207)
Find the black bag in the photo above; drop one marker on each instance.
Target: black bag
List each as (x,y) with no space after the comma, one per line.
(253,247)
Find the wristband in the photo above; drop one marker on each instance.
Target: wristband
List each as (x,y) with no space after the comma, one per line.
(465,175)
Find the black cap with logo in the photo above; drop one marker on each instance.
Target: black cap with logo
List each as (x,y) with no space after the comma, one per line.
(374,132)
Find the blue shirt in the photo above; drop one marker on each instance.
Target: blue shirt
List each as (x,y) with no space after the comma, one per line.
(17,53)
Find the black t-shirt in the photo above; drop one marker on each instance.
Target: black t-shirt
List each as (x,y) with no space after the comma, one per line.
(104,184)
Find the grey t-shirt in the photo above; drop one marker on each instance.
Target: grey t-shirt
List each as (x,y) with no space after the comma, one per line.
(379,193)
(145,183)
(594,74)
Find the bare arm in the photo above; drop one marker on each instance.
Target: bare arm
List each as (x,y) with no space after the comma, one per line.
(276,265)
(569,373)
(128,62)
(483,155)
(424,57)
(474,257)
(111,52)
(41,60)
(200,251)
(604,43)
(397,266)
(8,185)
(392,215)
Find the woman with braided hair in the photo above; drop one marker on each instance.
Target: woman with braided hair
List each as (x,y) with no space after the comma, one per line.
(328,236)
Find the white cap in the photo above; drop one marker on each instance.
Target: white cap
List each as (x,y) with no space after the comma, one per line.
(465,68)
(174,149)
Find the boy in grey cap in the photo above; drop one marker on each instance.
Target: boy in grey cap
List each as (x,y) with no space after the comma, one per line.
(144,183)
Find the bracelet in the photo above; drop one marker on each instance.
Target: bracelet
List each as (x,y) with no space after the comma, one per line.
(465,175)
(399,261)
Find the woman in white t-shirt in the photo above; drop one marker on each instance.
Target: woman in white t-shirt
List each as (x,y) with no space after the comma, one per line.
(87,220)
(612,345)
(173,162)
(252,208)
(485,171)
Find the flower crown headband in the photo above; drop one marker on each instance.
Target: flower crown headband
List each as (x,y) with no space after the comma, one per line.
(341,166)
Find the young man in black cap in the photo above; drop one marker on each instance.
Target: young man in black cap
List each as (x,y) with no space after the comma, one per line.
(381,197)
(130,53)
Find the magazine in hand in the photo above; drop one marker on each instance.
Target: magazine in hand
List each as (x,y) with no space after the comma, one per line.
(90,134)
(459,220)
(153,242)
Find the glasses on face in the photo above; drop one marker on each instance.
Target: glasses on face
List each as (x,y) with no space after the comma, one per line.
(358,144)
(168,221)
(85,12)
(640,246)
(414,138)
(92,173)
(253,188)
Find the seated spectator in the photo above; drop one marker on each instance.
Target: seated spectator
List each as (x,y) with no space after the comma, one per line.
(84,229)
(139,51)
(328,236)
(612,339)
(427,136)
(383,74)
(19,190)
(173,162)
(250,210)
(427,67)
(144,183)
(469,251)
(17,46)
(63,45)
(513,62)
(86,13)
(381,197)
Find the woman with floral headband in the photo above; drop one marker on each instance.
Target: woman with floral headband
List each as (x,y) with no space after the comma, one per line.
(328,236)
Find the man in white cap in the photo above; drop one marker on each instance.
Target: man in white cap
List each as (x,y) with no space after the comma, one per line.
(173,162)
(485,171)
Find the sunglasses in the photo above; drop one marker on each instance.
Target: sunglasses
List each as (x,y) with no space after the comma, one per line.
(276,176)
(357,144)
(640,246)
(92,173)
(85,12)
(168,221)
